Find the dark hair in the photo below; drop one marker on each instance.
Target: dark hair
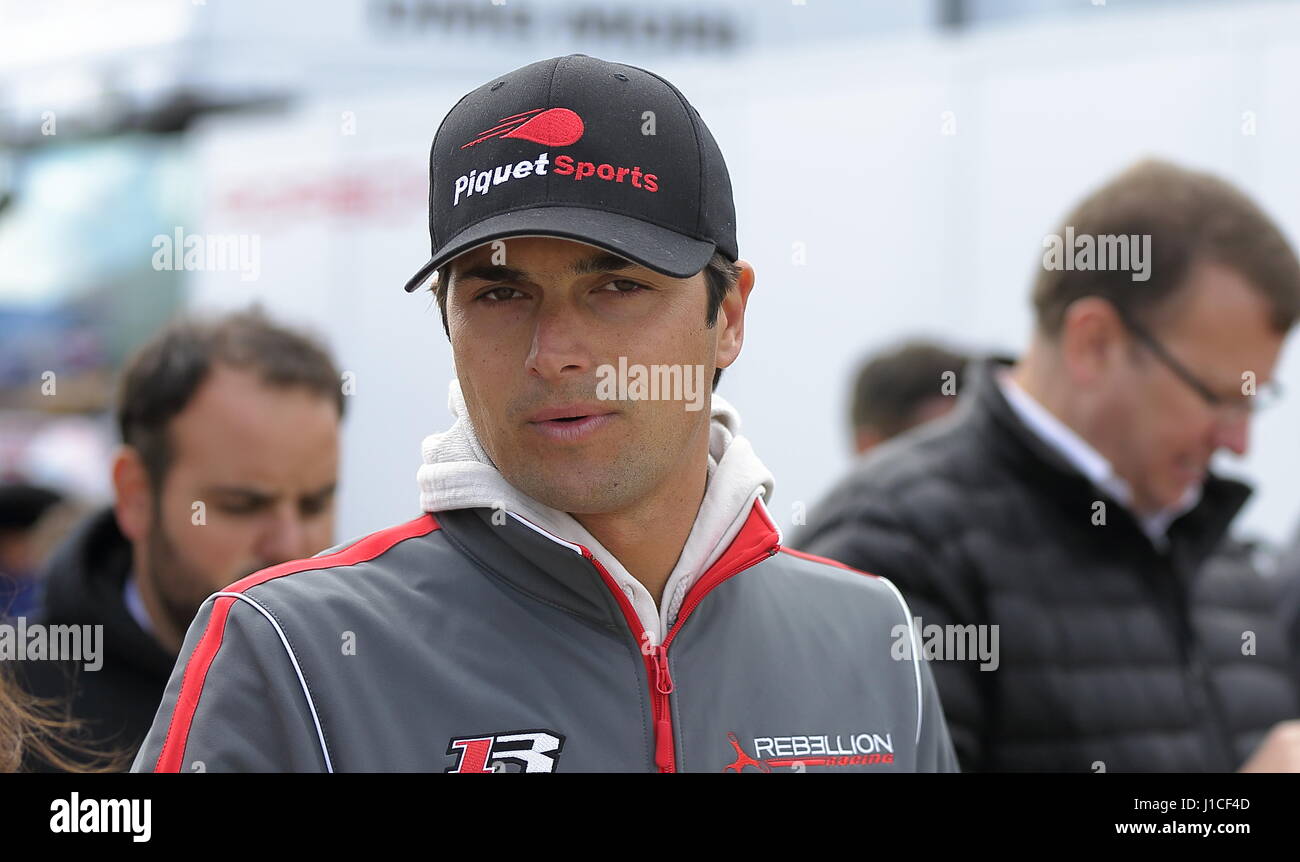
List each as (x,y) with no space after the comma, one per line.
(892,385)
(720,276)
(162,377)
(23,505)
(1191,218)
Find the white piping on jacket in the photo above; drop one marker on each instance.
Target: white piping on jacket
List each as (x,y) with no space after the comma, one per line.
(916,652)
(577,549)
(329,766)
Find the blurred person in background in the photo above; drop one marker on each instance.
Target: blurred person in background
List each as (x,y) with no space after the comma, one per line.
(228,464)
(22,507)
(902,388)
(1068,503)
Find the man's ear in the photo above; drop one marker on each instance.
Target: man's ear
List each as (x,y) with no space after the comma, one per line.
(731,316)
(134,504)
(1091,339)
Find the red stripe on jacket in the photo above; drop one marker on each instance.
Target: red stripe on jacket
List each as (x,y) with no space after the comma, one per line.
(827,560)
(196,669)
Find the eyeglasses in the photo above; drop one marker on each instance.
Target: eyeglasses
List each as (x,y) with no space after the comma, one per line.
(1265,396)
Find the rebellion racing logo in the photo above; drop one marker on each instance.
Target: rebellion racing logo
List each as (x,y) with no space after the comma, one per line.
(798,752)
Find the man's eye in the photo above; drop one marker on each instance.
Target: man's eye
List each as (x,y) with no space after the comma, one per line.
(498,294)
(623,287)
(315,506)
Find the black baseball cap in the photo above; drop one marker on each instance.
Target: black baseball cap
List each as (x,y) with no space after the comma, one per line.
(583,149)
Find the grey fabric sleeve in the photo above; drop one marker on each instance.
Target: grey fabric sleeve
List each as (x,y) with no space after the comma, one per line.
(253,712)
(934,750)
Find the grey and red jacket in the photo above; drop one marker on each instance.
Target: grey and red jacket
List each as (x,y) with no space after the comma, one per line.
(465,641)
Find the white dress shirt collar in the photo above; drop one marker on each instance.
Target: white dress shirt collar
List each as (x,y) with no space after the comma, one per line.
(1092,464)
(135,604)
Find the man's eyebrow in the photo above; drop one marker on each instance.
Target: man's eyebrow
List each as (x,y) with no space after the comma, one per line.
(597,263)
(603,262)
(259,496)
(492,272)
(236,491)
(322,492)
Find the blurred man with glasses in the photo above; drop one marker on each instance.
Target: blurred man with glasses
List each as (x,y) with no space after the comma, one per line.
(1068,501)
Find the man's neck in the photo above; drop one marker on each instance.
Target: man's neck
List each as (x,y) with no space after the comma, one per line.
(168,635)
(649,538)
(1042,380)
(1041,383)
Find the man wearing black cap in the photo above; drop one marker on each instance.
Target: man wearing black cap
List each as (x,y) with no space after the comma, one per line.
(595,583)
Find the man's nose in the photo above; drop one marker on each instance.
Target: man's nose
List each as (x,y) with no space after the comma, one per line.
(282,537)
(559,346)
(1233,432)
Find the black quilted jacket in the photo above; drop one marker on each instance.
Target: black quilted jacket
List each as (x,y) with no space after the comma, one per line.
(1113,655)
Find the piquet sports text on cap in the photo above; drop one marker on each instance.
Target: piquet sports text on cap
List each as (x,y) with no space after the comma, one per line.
(582,149)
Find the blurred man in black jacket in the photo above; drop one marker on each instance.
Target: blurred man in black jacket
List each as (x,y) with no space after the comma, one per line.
(228,465)
(1067,501)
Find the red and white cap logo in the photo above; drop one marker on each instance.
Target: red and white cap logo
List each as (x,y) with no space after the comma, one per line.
(550,127)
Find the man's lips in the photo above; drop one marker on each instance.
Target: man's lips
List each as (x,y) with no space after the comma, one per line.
(570,411)
(571,422)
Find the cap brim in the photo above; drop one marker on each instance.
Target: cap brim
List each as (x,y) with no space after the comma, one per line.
(649,245)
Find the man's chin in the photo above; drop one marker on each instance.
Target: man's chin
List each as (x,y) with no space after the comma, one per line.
(577,494)
(1177,493)
(1189,478)
(575,501)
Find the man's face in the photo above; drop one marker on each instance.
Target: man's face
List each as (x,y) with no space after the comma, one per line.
(263,461)
(1164,431)
(530,331)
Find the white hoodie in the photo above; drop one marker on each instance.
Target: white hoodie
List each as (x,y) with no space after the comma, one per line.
(458,474)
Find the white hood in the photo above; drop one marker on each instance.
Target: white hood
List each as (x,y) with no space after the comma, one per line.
(458,474)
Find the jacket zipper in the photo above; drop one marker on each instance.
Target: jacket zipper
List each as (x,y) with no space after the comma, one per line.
(656,661)
(662,686)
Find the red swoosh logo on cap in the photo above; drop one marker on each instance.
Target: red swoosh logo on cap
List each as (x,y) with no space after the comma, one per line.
(553,127)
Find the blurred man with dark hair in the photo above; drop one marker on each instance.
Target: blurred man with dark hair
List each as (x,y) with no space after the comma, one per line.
(229,458)
(902,388)
(1065,511)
